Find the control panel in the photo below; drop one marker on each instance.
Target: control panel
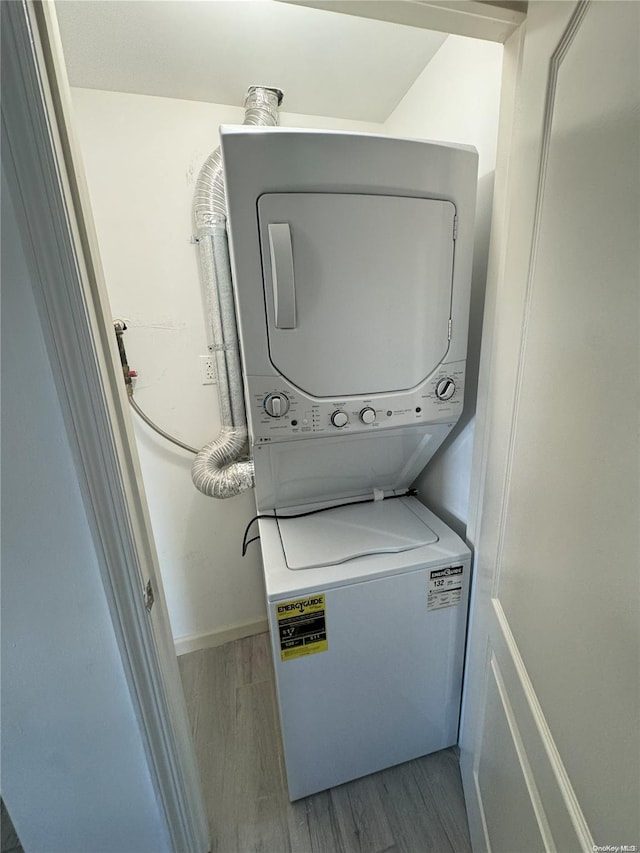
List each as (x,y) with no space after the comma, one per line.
(445,388)
(279,412)
(276,405)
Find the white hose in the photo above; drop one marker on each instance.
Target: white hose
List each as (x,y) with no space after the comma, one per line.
(218,470)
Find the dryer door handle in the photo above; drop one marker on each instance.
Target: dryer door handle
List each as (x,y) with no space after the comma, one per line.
(284,286)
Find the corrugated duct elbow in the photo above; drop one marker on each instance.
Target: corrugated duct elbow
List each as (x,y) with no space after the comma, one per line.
(223,467)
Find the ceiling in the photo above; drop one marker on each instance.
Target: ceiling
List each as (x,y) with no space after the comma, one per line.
(211,50)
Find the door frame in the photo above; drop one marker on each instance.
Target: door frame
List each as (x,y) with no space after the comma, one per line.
(45,172)
(45,175)
(508,303)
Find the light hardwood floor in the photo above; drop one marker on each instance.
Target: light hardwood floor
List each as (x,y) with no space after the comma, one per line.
(416,807)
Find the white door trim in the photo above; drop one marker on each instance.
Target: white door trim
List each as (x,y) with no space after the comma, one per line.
(554,66)
(494,656)
(535,715)
(481,20)
(57,230)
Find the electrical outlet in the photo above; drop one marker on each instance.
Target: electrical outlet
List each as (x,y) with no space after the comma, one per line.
(207,370)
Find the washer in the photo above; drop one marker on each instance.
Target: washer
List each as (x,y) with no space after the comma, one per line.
(368,639)
(351,258)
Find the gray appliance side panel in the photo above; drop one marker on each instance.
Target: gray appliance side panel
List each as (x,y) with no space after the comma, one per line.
(278,160)
(291,473)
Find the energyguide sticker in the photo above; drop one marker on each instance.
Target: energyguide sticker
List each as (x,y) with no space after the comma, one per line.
(302,627)
(445,587)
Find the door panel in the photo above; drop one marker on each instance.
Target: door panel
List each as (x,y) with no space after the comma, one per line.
(370,315)
(516,761)
(557,545)
(504,780)
(575,456)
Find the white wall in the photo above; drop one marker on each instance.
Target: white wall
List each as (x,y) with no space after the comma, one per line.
(142,155)
(456,99)
(74,773)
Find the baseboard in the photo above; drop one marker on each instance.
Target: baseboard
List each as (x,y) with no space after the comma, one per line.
(195,642)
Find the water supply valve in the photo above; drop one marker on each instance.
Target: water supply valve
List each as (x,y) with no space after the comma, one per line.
(120,327)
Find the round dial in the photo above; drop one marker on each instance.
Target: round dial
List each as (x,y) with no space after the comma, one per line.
(276,405)
(445,389)
(368,415)
(339,418)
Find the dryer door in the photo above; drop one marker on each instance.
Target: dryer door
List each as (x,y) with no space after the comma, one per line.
(357,289)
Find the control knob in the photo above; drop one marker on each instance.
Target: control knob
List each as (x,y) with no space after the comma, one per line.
(445,389)
(339,418)
(368,415)
(276,405)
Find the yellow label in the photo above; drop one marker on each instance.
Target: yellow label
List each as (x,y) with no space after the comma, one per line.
(302,626)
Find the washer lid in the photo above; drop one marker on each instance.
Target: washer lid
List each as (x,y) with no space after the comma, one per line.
(337,535)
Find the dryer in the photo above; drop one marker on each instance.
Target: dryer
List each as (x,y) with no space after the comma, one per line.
(351,256)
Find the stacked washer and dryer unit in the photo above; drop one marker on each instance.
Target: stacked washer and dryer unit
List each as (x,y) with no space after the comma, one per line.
(352,263)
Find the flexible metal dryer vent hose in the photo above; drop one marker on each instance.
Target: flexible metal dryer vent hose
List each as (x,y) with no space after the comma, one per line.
(220,470)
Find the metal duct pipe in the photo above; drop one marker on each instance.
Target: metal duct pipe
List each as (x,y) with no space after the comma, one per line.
(218,470)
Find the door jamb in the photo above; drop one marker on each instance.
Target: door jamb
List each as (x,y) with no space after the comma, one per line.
(482,20)
(47,184)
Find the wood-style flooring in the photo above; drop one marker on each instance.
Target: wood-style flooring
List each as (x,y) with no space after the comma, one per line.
(415,807)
